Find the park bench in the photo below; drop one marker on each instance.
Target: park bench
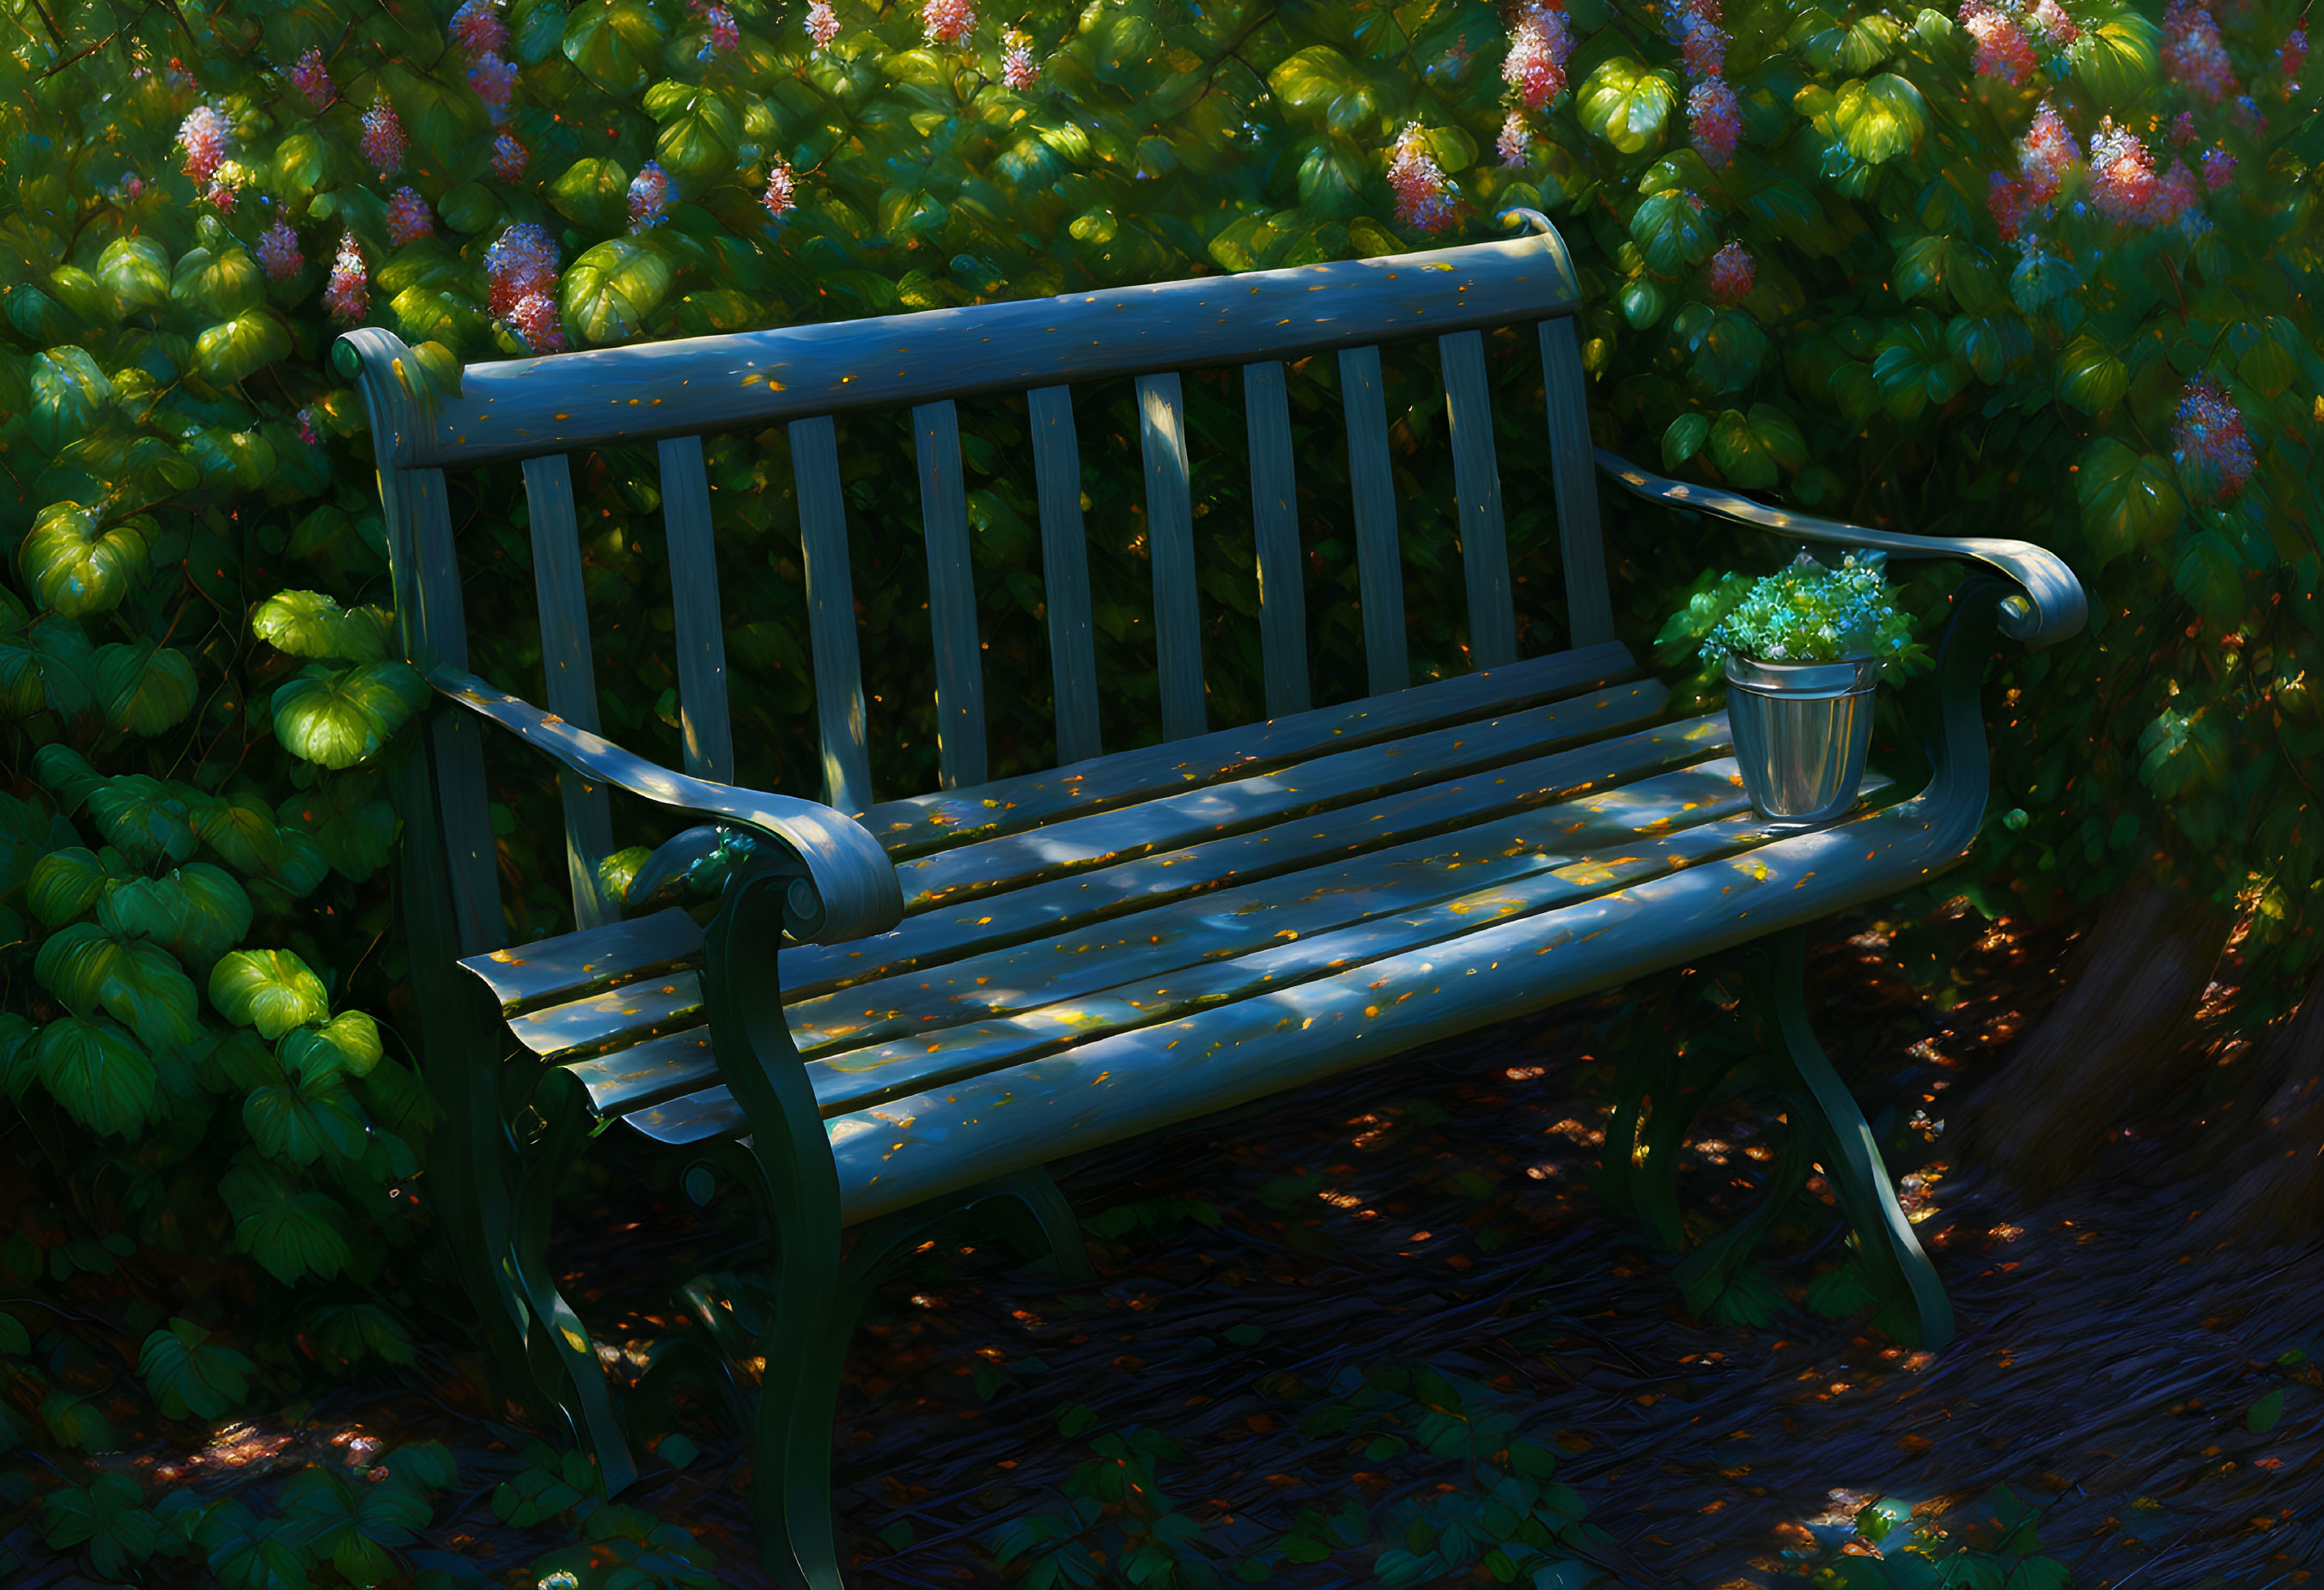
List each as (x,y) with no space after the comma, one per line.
(974,981)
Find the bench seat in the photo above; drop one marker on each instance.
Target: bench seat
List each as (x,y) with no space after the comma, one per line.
(1326,870)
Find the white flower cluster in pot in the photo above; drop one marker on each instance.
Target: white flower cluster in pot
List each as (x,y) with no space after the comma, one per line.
(1810,613)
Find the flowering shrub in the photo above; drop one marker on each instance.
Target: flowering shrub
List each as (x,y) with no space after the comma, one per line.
(1806,611)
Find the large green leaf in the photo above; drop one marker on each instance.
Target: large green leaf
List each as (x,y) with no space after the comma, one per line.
(2090,376)
(299,1121)
(699,133)
(1880,118)
(138,983)
(235,349)
(104,1518)
(595,191)
(191,1375)
(143,817)
(347,1045)
(145,689)
(339,717)
(137,270)
(68,392)
(65,885)
(2128,500)
(1674,229)
(218,285)
(614,42)
(99,1074)
(2117,58)
(611,289)
(351,824)
(199,910)
(294,1234)
(307,623)
(77,564)
(269,989)
(1915,366)
(1627,104)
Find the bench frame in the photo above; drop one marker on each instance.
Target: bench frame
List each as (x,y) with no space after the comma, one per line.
(818,875)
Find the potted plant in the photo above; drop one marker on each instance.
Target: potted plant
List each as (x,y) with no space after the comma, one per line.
(1804,648)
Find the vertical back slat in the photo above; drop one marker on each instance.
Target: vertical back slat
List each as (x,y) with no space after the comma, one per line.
(1379,564)
(702,712)
(1275,527)
(572,678)
(1476,482)
(1065,571)
(831,616)
(1589,605)
(951,597)
(421,520)
(1170,543)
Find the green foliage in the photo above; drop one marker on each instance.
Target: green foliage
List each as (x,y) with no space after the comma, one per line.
(1984,1546)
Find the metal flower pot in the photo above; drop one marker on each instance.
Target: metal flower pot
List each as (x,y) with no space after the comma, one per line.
(1800,732)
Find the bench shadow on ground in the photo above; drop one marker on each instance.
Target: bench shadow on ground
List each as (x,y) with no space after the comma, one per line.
(1439,1209)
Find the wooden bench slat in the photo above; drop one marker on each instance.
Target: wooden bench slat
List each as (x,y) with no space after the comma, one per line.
(831,617)
(704,721)
(572,683)
(1064,572)
(617,1018)
(1371,486)
(1589,605)
(1066,903)
(951,597)
(1275,527)
(656,1070)
(1242,917)
(510,408)
(1169,821)
(418,515)
(1476,485)
(573,965)
(863,1091)
(1170,547)
(919,824)
(895,1154)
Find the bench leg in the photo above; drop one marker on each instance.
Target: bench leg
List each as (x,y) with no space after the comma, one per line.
(1820,1102)
(787,1167)
(797,1316)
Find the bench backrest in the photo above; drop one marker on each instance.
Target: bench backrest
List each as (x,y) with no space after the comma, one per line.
(536,412)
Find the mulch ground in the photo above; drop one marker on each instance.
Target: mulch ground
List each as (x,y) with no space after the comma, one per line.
(1439,1210)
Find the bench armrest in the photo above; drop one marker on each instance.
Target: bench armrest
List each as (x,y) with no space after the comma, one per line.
(2048,606)
(853,879)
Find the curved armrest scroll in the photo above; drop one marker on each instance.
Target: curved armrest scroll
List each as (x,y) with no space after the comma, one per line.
(854,881)
(2049,606)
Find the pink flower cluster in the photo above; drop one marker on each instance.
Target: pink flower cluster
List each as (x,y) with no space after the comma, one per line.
(1541,41)
(477,26)
(2013,36)
(2192,54)
(313,79)
(407,219)
(305,419)
(649,192)
(277,252)
(1426,198)
(1712,115)
(383,143)
(205,135)
(509,157)
(720,36)
(1730,273)
(347,294)
(2218,168)
(1018,70)
(494,81)
(2122,173)
(1515,142)
(782,187)
(2209,444)
(948,22)
(822,24)
(2044,155)
(521,273)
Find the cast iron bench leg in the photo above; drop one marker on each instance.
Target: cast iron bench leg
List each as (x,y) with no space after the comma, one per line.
(819,1283)
(1822,1103)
